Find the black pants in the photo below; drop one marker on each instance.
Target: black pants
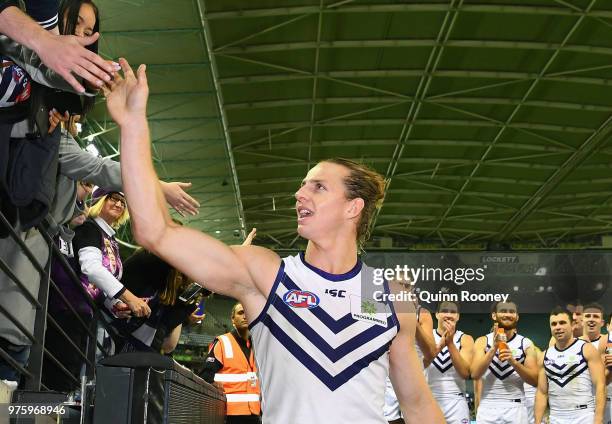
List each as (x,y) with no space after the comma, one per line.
(243,419)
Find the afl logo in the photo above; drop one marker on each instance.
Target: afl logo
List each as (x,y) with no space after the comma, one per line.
(301,299)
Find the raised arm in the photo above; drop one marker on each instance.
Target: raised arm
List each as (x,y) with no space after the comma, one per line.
(243,272)
(406,373)
(482,358)
(424,337)
(65,54)
(461,358)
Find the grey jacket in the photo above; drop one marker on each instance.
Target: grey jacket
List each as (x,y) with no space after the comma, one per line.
(74,164)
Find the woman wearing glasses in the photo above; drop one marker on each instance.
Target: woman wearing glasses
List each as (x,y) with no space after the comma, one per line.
(97,251)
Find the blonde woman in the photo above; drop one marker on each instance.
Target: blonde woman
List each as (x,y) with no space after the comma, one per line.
(97,251)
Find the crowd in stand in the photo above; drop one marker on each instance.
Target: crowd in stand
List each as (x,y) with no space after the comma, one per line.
(51,74)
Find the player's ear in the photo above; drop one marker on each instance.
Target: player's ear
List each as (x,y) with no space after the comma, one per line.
(356,206)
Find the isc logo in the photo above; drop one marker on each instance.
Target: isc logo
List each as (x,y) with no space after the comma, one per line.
(301,299)
(335,292)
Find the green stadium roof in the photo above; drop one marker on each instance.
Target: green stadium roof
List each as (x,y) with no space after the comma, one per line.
(491,120)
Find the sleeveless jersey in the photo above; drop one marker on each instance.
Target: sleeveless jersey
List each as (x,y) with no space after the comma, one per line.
(595,343)
(321,348)
(530,391)
(569,379)
(609,391)
(443,379)
(500,381)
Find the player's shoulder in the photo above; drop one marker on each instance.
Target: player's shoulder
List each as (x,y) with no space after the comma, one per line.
(465,337)
(482,340)
(259,260)
(588,350)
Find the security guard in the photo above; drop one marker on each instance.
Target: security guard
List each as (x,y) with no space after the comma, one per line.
(231,363)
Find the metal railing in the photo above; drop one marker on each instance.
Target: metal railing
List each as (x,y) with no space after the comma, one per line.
(39,354)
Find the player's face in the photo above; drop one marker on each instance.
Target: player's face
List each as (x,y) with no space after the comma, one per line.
(239,318)
(560,327)
(592,321)
(576,319)
(506,316)
(321,204)
(447,312)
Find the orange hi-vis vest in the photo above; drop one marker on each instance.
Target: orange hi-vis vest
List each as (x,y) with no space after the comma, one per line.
(238,377)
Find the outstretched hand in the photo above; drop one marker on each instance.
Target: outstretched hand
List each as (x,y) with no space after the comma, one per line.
(175,195)
(67,55)
(126,96)
(249,240)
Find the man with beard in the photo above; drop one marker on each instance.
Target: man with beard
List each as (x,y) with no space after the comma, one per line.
(503,361)
(451,367)
(571,369)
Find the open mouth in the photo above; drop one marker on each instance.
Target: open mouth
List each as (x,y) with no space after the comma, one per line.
(304,213)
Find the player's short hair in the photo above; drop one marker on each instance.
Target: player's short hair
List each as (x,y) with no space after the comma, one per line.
(447,302)
(558,310)
(496,304)
(595,305)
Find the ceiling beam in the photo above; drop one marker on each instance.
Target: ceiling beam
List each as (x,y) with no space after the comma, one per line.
(405,8)
(305,124)
(496,101)
(365,142)
(590,146)
(207,44)
(412,43)
(507,124)
(380,73)
(315,85)
(290,21)
(306,73)
(337,121)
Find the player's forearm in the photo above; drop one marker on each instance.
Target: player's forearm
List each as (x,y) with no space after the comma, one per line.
(539,407)
(600,401)
(145,199)
(479,366)
(21,28)
(459,362)
(426,343)
(428,410)
(529,375)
